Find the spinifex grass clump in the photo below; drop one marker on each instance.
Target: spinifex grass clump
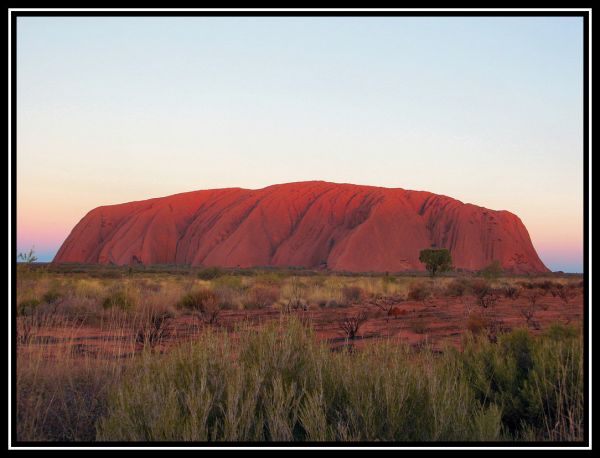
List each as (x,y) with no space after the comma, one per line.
(261,296)
(202,302)
(52,297)
(27,307)
(353,294)
(458,287)
(230,291)
(198,300)
(119,299)
(420,291)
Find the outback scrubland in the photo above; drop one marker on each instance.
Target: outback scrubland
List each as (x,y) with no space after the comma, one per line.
(180,354)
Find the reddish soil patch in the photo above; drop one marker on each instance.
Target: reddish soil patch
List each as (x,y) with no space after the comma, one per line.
(437,323)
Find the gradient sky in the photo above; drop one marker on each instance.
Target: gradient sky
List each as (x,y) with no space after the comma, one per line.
(485,110)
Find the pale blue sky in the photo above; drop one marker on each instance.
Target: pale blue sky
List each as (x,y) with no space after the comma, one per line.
(486,110)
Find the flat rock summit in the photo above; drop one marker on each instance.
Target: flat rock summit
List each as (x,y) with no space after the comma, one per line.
(315,224)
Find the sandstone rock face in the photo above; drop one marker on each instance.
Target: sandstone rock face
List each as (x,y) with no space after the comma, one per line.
(315,224)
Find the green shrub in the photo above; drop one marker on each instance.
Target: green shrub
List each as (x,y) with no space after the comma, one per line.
(492,271)
(458,287)
(436,260)
(229,291)
(388,279)
(199,300)
(270,278)
(228,281)
(296,295)
(538,383)
(52,297)
(210,273)
(118,299)
(107,274)
(27,307)
(559,332)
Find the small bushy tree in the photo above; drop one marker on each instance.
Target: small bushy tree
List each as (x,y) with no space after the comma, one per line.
(492,271)
(436,260)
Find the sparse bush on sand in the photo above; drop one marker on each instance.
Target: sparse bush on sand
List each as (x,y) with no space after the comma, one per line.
(492,271)
(295,297)
(566,293)
(532,306)
(419,291)
(153,327)
(511,292)
(118,299)
(27,307)
(144,377)
(261,296)
(199,300)
(458,287)
(353,294)
(350,325)
(202,302)
(485,293)
(52,297)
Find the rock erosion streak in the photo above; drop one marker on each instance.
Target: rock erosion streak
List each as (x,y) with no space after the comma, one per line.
(312,224)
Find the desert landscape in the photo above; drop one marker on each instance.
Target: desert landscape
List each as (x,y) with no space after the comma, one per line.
(85,332)
(270,228)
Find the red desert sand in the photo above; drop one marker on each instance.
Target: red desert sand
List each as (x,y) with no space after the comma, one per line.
(315,224)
